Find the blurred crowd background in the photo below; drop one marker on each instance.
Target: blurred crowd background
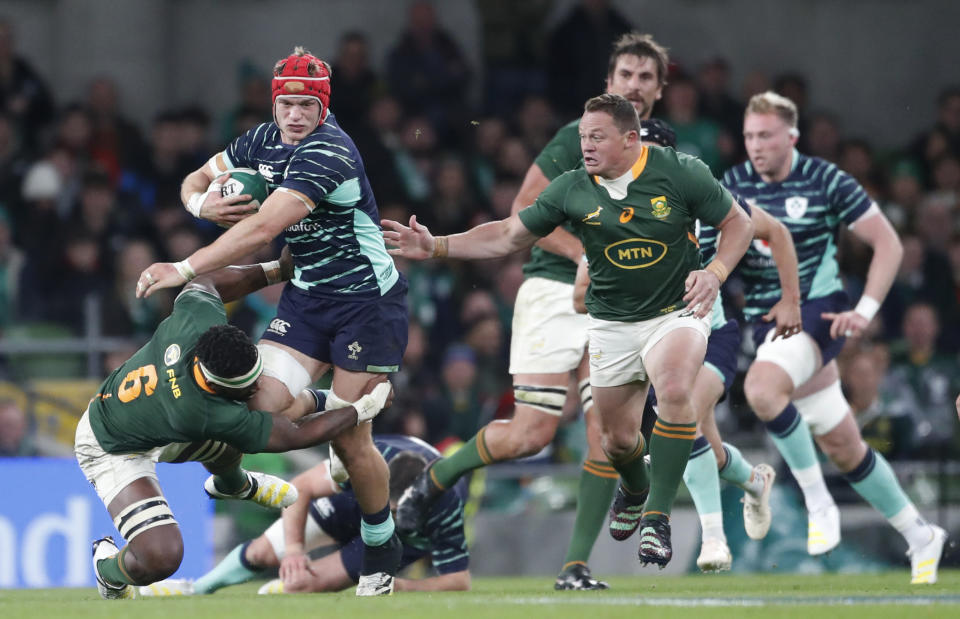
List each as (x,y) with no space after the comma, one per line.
(89,197)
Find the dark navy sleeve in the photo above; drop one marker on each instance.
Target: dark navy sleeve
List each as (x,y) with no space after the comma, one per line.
(848,200)
(324,170)
(239,154)
(448,542)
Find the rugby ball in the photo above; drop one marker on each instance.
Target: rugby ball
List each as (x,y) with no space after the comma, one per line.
(244,181)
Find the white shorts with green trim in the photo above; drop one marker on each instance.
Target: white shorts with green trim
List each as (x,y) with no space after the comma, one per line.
(549,337)
(617,349)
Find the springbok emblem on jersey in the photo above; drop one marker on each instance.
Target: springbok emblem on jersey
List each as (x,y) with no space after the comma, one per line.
(592,215)
(796,206)
(660,208)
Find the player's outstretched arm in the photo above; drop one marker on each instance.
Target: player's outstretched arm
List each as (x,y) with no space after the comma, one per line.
(280,210)
(580,285)
(786,312)
(311,485)
(736,232)
(323,426)
(875,230)
(234,282)
(559,241)
(454,581)
(489,240)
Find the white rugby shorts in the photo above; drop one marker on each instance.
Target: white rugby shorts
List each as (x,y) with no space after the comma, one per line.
(549,337)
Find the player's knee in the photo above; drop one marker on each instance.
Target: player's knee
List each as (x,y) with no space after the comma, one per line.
(762,397)
(673,393)
(619,442)
(260,553)
(158,556)
(844,454)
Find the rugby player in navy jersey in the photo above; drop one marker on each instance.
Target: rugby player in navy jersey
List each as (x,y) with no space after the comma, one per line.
(793,385)
(345,307)
(325,514)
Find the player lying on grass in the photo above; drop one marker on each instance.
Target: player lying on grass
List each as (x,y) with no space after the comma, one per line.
(325,514)
(182,397)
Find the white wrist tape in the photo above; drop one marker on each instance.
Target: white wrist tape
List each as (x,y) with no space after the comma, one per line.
(184,269)
(272,271)
(369,405)
(867,307)
(195,203)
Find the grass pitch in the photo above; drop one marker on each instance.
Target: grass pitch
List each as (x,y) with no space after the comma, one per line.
(829,595)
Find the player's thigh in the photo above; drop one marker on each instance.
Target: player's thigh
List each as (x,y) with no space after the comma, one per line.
(350,385)
(286,372)
(547,335)
(823,378)
(354,446)
(674,360)
(798,357)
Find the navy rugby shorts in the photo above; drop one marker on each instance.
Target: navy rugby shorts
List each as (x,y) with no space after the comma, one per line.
(813,325)
(361,335)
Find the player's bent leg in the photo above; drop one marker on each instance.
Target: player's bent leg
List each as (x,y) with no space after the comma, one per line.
(154,546)
(286,372)
(230,481)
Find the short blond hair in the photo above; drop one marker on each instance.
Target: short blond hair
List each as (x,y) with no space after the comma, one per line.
(771,103)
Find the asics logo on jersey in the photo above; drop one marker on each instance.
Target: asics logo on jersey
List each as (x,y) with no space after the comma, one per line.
(279,326)
(354,349)
(635,253)
(266,171)
(592,215)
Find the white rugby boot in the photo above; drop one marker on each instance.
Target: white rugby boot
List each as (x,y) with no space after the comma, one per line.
(104,548)
(925,560)
(756,509)
(823,531)
(263,489)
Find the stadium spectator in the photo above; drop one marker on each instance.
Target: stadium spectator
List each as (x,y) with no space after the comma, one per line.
(353,83)
(456,408)
(944,136)
(428,73)
(11,270)
(886,423)
(253,86)
(578,49)
(920,373)
(116,143)
(453,203)
(489,132)
(24,96)
(513,47)
(696,135)
(823,137)
(715,101)
(15,435)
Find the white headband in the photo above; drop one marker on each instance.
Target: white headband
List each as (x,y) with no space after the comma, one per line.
(238,382)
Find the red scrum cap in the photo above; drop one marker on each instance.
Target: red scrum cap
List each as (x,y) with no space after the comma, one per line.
(301,74)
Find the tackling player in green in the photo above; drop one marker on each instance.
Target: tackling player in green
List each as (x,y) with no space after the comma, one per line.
(183,397)
(633,209)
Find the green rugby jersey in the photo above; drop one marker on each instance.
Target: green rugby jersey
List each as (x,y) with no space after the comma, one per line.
(642,247)
(561,154)
(153,399)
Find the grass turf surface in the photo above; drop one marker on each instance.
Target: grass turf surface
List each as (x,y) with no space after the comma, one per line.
(768,596)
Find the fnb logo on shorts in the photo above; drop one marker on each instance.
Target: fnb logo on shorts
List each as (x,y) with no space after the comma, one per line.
(279,326)
(635,253)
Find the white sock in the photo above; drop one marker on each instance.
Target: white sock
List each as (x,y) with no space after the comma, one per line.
(815,493)
(912,526)
(712,525)
(754,486)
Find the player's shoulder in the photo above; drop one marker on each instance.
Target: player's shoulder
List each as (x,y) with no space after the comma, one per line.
(740,173)
(810,167)
(264,133)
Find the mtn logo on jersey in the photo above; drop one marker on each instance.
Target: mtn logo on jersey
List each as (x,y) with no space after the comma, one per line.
(635,253)
(278,326)
(593,215)
(660,209)
(796,206)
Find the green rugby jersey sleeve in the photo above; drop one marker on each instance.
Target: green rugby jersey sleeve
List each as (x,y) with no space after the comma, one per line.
(547,212)
(200,308)
(562,153)
(233,423)
(708,199)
